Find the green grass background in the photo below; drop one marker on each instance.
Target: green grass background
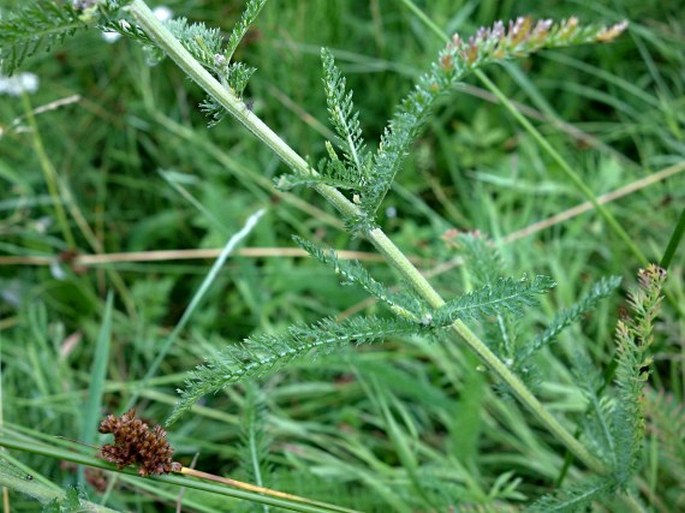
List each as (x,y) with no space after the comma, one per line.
(407,426)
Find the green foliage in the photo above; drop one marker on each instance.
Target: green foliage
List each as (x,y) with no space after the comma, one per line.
(562,319)
(481,257)
(667,421)
(407,306)
(596,424)
(576,498)
(34,27)
(436,435)
(254,459)
(208,47)
(247,18)
(634,336)
(266,353)
(497,300)
(345,121)
(505,295)
(615,425)
(352,173)
(370,177)
(71,503)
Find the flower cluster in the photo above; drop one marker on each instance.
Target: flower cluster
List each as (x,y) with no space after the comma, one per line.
(523,36)
(135,443)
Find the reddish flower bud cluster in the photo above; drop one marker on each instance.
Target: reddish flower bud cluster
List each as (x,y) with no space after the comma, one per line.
(521,36)
(136,444)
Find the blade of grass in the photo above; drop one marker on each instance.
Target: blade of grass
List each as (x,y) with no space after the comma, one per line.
(675,239)
(400,440)
(195,301)
(169,177)
(98,374)
(574,177)
(16,478)
(81,459)
(49,173)
(5,493)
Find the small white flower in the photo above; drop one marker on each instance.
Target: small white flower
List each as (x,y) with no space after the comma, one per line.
(391,212)
(111,37)
(163,13)
(19,83)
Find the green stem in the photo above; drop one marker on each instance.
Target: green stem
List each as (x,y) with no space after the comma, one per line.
(156,31)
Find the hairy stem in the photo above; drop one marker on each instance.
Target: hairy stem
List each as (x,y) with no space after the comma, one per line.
(166,41)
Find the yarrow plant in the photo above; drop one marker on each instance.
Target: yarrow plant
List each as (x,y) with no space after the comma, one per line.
(355,177)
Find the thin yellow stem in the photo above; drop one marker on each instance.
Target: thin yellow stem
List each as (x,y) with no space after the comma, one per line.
(187,471)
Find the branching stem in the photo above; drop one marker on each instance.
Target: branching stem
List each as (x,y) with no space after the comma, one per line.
(166,41)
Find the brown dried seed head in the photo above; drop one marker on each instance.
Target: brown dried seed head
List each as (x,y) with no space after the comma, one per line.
(136,444)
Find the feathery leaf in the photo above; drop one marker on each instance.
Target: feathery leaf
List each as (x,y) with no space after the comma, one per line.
(344,118)
(505,295)
(574,498)
(600,290)
(265,353)
(255,442)
(33,27)
(634,336)
(247,18)
(480,257)
(597,424)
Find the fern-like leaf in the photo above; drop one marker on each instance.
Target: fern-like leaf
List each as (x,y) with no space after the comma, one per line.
(574,498)
(600,290)
(505,295)
(409,307)
(597,424)
(254,449)
(33,27)
(265,354)
(498,43)
(634,336)
(667,421)
(247,18)
(344,118)
(351,172)
(481,257)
